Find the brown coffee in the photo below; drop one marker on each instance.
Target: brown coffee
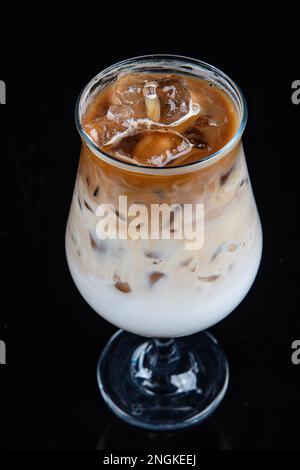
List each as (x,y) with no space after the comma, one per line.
(160,120)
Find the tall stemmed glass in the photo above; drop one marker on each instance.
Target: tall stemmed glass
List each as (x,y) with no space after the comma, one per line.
(156,372)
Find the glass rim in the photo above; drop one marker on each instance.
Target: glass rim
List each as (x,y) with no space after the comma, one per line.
(189,167)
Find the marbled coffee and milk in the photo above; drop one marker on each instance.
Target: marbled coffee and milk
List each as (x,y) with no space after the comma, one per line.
(157,288)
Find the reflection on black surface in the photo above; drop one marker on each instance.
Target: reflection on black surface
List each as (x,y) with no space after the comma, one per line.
(119,435)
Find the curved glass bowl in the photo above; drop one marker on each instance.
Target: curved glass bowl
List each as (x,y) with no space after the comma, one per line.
(156,288)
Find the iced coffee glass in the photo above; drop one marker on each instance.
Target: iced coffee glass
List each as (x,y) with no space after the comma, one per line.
(163,132)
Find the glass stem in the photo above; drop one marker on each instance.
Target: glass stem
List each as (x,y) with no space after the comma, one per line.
(164,358)
(165,353)
(154,365)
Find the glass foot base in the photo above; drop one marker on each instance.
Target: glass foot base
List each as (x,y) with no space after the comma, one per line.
(164,384)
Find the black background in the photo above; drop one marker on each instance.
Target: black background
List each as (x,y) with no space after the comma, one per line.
(48,392)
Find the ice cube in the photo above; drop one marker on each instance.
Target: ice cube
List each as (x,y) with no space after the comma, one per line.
(119,113)
(129,92)
(152,101)
(105,131)
(217,122)
(152,148)
(202,121)
(175,99)
(195,137)
(142,106)
(158,148)
(123,287)
(207,120)
(126,146)
(156,100)
(155,276)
